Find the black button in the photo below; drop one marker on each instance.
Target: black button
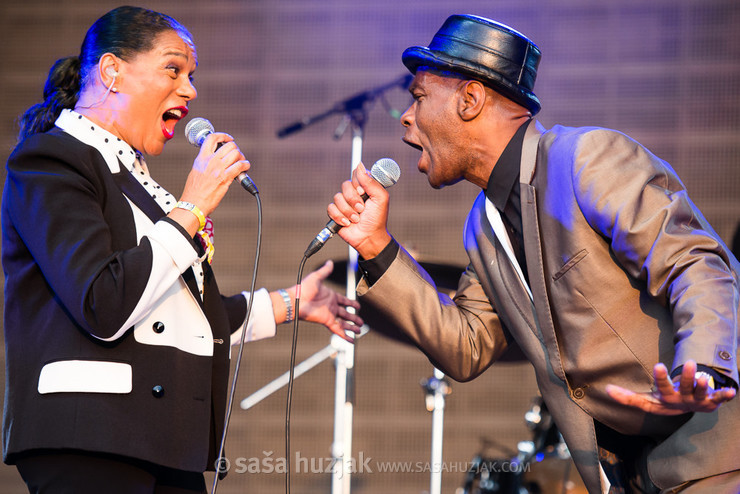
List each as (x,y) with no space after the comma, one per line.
(158,391)
(578,393)
(158,327)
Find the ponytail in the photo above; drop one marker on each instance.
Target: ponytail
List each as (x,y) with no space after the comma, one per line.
(61,91)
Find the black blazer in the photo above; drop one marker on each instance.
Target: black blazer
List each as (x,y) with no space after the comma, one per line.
(108,347)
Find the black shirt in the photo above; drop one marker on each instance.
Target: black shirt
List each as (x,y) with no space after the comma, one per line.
(503,191)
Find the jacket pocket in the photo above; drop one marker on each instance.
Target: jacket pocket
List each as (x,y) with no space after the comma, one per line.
(571,262)
(85,376)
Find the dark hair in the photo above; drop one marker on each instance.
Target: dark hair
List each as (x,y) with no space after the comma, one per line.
(125,32)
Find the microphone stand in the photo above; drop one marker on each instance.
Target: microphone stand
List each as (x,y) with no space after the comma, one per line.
(436,388)
(355,111)
(345,361)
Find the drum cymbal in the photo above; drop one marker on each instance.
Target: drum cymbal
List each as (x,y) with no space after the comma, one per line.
(445,276)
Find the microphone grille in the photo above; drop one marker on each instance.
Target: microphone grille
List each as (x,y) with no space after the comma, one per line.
(197,130)
(386,172)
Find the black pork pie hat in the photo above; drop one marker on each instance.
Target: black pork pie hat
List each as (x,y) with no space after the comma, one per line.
(485,50)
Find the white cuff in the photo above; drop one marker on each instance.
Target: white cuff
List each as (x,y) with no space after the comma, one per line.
(178,247)
(261,321)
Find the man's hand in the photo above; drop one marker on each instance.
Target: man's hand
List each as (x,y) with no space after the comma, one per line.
(684,395)
(363,222)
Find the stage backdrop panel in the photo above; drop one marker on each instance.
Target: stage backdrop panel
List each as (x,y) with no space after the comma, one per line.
(666,72)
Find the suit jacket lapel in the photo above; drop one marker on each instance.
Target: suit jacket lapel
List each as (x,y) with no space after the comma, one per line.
(141,198)
(138,195)
(533,248)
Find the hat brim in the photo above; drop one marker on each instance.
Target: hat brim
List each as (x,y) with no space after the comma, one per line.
(420,56)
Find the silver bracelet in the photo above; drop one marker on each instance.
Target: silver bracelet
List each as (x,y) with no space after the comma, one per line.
(288,305)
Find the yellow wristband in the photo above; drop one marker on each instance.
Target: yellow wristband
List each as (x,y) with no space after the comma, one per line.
(195,210)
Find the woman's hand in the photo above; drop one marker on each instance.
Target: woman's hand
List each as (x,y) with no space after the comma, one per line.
(323,305)
(218,163)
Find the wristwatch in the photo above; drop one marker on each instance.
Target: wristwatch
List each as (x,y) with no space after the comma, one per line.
(710,378)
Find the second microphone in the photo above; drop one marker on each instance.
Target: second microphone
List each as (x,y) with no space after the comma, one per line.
(386,172)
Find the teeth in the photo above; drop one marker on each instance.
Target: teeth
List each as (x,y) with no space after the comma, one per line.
(175,112)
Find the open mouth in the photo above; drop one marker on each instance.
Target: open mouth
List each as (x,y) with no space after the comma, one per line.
(415,146)
(170,119)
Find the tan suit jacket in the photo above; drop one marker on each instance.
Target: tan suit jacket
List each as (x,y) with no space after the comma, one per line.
(625,272)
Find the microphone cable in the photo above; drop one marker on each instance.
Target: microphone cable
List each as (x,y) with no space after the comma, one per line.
(289,399)
(222,464)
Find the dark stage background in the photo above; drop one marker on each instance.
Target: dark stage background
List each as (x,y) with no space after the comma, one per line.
(665,72)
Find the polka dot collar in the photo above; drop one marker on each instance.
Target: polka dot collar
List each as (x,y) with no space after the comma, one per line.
(114,150)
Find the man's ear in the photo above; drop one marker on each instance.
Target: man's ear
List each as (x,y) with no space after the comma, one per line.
(472,100)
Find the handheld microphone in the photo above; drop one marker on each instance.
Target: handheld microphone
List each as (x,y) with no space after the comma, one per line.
(196,132)
(386,172)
